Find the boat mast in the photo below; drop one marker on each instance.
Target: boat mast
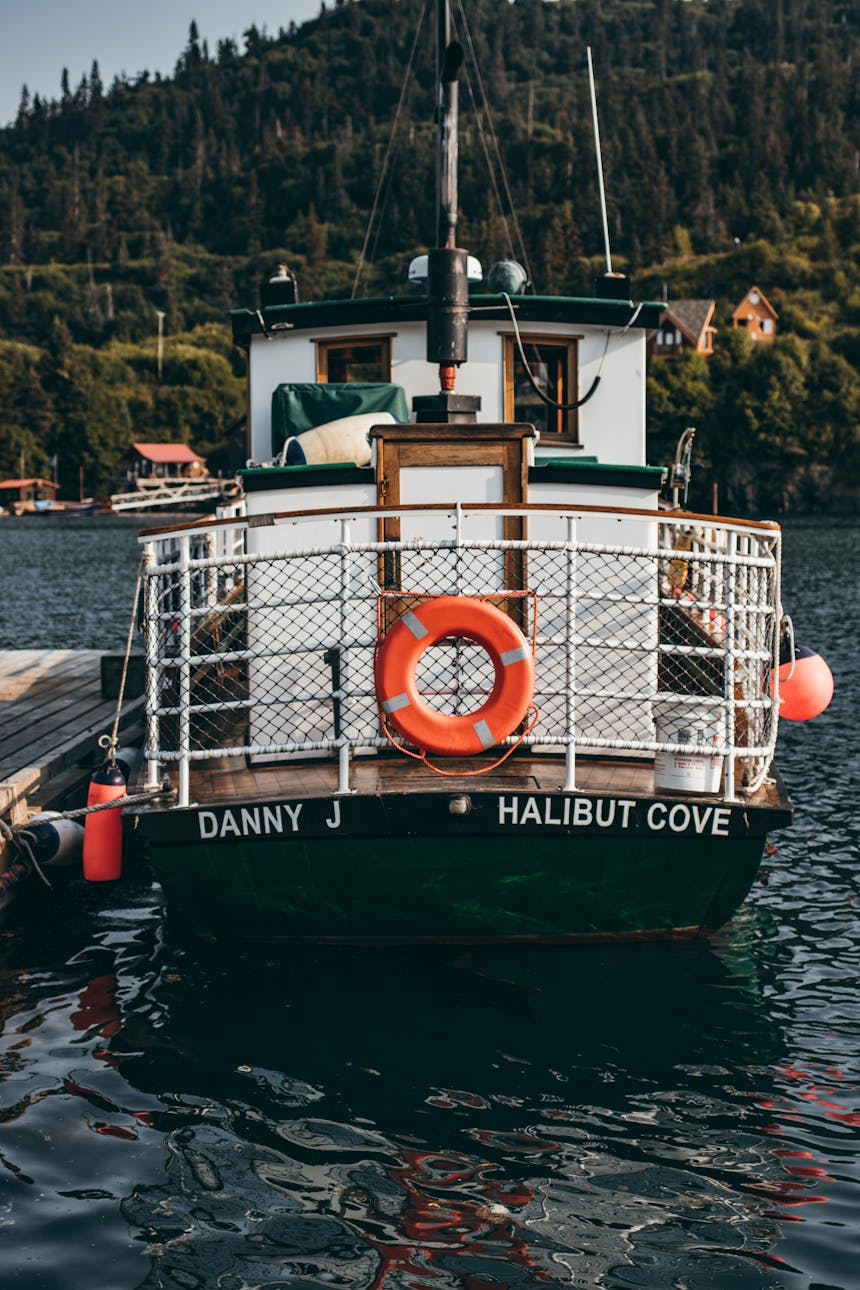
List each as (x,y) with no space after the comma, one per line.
(449,59)
(447,280)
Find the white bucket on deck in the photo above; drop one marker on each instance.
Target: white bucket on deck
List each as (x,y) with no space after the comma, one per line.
(688,723)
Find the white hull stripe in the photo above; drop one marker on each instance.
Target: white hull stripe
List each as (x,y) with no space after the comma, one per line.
(417,628)
(392,705)
(485,734)
(517,655)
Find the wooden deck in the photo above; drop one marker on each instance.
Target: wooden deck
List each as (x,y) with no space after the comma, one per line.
(51,716)
(218,782)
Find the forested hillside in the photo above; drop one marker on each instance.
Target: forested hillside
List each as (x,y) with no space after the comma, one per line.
(731,133)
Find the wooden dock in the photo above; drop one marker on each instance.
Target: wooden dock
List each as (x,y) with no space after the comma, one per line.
(52,712)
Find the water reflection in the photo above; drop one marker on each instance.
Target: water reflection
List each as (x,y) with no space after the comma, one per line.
(366,1119)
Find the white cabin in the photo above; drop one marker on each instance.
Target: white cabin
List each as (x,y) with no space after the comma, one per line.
(594,454)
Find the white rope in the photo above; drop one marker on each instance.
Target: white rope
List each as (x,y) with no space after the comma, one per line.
(111,742)
(118,802)
(787,630)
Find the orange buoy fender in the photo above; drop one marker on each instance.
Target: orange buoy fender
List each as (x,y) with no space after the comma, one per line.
(103,829)
(465,734)
(805,693)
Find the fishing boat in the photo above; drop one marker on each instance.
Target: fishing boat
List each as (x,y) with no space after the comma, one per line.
(70,510)
(453,671)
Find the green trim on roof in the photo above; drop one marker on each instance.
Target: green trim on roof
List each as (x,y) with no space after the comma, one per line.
(565,461)
(581,470)
(381,310)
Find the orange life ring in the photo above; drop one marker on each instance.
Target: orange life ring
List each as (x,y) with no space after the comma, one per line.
(472,732)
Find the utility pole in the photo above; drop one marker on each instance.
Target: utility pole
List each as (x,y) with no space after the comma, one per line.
(160,315)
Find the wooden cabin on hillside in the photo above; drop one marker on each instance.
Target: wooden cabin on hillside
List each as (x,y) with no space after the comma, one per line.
(686,325)
(757,315)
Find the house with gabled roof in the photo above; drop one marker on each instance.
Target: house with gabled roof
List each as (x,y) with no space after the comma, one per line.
(757,315)
(26,490)
(686,325)
(163,461)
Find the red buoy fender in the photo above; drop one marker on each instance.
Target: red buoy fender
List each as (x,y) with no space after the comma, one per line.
(103,829)
(806,689)
(412,717)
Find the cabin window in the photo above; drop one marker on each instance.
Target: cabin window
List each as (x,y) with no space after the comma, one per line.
(553,363)
(363,358)
(767,326)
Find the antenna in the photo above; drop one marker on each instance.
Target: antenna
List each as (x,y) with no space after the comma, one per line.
(599,162)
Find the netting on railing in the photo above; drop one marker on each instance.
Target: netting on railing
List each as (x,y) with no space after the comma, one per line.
(666,646)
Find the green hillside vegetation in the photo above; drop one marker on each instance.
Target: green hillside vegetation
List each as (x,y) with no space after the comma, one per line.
(731,133)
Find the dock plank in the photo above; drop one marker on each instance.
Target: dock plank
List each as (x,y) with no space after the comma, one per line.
(34,703)
(19,674)
(63,716)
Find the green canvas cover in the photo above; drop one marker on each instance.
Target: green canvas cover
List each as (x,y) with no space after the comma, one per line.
(300,406)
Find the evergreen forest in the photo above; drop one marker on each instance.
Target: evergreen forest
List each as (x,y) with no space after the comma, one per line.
(731,145)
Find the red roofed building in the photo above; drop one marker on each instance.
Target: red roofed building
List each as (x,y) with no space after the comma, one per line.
(24,493)
(164,461)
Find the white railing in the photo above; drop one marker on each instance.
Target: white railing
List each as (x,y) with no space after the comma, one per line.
(654,633)
(167,493)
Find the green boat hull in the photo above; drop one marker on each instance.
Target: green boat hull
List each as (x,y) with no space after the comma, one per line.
(439,867)
(458,882)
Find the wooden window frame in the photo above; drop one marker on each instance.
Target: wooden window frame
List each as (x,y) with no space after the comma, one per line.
(570,434)
(322,347)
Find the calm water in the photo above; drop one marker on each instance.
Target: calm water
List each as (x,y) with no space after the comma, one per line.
(68,583)
(643,1116)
